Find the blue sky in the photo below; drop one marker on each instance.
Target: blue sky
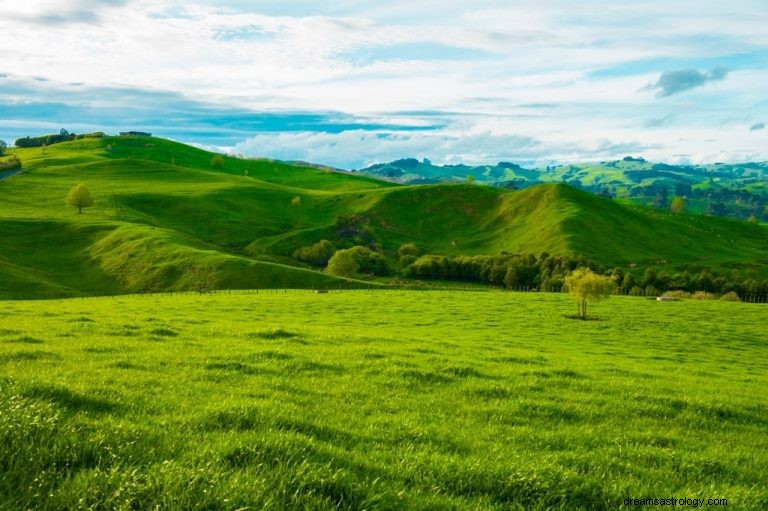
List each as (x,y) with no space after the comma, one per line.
(353,83)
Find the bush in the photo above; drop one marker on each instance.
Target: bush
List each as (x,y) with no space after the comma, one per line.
(217,162)
(636,291)
(317,255)
(730,297)
(408,249)
(407,260)
(369,261)
(342,264)
(703,295)
(677,293)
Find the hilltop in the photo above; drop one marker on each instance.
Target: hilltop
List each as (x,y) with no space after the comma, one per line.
(169,217)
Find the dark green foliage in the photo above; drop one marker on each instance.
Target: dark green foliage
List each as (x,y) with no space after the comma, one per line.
(46,140)
(408,249)
(354,228)
(369,261)
(317,255)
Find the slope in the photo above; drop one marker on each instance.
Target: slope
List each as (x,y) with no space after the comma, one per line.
(169,216)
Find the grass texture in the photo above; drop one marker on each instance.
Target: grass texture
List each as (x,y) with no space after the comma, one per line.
(379,400)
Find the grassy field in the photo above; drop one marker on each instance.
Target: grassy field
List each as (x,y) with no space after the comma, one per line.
(164,213)
(380,400)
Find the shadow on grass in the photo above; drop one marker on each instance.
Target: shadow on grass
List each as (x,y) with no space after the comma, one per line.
(71,401)
(580,318)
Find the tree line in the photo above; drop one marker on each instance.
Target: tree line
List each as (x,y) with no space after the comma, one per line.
(524,272)
(62,136)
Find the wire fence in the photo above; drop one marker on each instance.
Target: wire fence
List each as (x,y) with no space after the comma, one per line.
(424,288)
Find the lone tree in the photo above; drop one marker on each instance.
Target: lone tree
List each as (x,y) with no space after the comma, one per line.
(585,285)
(678,205)
(3,147)
(79,197)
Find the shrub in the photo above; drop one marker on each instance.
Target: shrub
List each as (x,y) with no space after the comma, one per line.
(730,297)
(678,293)
(342,264)
(408,249)
(407,260)
(703,295)
(369,261)
(317,255)
(217,162)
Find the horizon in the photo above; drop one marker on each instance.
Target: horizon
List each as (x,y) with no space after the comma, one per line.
(536,84)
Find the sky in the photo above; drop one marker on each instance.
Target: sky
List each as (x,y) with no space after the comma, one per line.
(349,84)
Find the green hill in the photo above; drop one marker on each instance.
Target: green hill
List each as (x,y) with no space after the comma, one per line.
(735,190)
(170,217)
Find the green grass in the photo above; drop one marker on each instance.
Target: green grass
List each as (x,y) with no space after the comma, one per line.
(379,400)
(162,210)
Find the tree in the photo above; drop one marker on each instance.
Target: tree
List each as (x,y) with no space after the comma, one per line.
(470,179)
(317,255)
(408,249)
(343,264)
(296,201)
(678,205)
(585,285)
(3,147)
(79,197)
(217,162)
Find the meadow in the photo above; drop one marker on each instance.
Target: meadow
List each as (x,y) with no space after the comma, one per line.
(165,215)
(380,400)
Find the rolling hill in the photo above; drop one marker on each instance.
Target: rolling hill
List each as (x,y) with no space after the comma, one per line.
(736,190)
(170,217)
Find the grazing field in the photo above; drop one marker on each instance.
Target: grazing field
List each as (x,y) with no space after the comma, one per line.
(166,218)
(380,400)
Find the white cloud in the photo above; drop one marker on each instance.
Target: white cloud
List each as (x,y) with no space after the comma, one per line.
(590,61)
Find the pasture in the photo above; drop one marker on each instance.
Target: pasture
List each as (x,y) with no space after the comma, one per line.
(380,400)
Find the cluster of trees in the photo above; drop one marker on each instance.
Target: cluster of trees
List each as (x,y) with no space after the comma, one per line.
(354,251)
(548,273)
(62,136)
(722,201)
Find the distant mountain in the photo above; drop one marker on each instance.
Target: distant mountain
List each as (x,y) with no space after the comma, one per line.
(413,171)
(738,190)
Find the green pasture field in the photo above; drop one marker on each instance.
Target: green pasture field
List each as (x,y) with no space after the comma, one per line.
(164,216)
(380,400)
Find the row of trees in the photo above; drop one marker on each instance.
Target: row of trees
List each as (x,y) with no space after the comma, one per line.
(62,136)
(523,271)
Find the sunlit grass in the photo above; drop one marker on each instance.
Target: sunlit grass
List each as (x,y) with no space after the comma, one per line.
(379,400)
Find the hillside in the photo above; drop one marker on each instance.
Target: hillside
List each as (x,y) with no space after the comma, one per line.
(172,217)
(736,190)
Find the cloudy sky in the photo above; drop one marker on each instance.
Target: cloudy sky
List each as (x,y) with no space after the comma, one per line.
(357,82)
